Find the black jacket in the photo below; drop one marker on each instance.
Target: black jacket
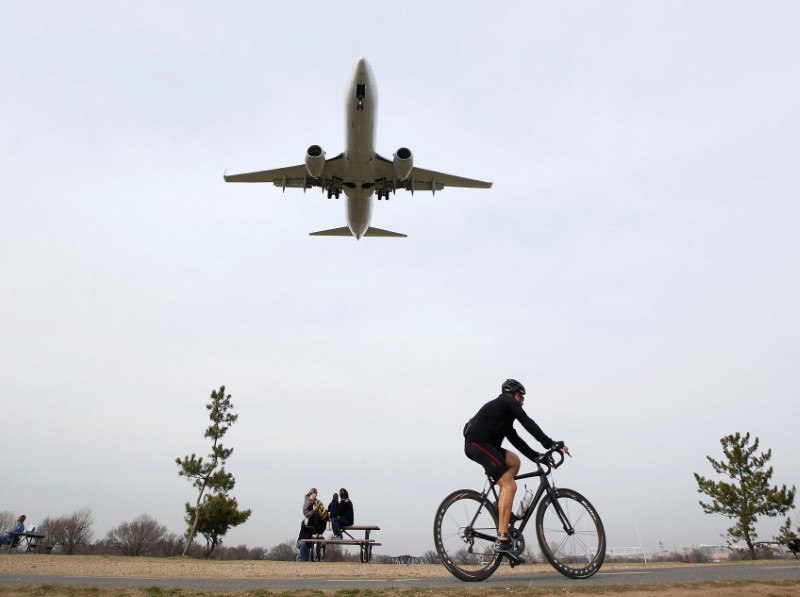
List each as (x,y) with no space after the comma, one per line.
(495,422)
(346,511)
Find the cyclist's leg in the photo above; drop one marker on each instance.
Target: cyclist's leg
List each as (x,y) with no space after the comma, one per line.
(508,488)
(502,466)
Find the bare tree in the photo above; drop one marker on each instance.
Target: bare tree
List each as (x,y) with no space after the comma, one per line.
(532,553)
(284,552)
(240,552)
(68,533)
(136,538)
(335,552)
(169,546)
(7,520)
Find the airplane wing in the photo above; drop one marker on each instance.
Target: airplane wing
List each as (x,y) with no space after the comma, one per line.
(295,176)
(421,179)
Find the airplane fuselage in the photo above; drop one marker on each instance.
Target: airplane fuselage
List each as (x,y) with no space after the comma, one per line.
(359,171)
(361,111)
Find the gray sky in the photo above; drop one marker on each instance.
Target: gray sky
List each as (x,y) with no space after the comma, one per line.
(631,265)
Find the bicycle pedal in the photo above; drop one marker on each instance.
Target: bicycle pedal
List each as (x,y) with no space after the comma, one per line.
(513,559)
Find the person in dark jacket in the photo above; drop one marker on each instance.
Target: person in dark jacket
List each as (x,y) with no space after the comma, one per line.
(483,438)
(303,546)
(333,507)
(345,517)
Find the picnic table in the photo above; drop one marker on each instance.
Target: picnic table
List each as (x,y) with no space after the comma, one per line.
(365,544)
(30,540)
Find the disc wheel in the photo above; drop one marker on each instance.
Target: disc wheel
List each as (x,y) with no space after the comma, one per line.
(464,532)
(575,545)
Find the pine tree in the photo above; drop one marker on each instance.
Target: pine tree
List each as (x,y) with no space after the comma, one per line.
(218,514)
(210,476)
(749,495)
(788,537)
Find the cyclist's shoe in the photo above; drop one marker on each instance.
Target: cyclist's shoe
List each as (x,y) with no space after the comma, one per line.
(505,548)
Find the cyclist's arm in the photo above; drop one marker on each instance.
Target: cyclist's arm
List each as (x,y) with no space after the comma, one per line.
(532,428)
(521,445)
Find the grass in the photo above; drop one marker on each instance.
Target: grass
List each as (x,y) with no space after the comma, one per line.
(778,588)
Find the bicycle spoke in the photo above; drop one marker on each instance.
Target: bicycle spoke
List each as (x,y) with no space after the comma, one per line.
(464,532)
(578,550)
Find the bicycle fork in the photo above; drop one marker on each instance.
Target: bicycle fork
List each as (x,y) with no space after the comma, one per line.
(565,523)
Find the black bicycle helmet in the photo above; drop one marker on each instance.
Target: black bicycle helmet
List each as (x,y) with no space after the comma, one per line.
(512,386)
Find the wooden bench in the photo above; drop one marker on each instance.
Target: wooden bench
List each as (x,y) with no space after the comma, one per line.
(366,544)
(39,548)
(28,540)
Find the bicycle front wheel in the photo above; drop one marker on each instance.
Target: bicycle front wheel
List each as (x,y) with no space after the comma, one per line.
(570,533)
(464,532)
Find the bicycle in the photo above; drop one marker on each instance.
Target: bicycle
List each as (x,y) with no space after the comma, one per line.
(569,530)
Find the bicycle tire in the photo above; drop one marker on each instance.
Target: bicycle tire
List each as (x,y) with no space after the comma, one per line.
(577,555)
(466,556)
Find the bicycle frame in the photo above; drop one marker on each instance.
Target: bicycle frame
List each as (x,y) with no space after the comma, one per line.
(568,529)
(543,473)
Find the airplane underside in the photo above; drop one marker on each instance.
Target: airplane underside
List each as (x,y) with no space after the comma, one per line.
(359,171)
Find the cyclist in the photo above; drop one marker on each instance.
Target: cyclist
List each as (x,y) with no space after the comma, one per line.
(483,436)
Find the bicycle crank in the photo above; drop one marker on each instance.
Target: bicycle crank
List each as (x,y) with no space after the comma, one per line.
(517,541)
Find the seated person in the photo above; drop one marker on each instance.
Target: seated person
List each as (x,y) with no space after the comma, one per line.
(333,507)
(304,547)
(345,516)
(315,514)
(6,538)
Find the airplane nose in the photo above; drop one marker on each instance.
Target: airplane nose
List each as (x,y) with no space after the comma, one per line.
(362,66)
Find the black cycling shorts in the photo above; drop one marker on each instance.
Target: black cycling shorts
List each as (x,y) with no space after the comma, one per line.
(490,457)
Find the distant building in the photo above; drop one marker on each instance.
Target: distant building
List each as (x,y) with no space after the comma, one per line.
(407,560)
(716,553)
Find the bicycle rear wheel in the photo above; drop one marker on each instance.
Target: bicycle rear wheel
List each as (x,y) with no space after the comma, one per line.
(464,531)
(576,544)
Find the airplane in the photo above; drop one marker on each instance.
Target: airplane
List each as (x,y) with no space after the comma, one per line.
(359,172)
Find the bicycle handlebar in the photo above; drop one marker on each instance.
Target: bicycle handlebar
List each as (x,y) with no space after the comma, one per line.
(550,461)
(546,462)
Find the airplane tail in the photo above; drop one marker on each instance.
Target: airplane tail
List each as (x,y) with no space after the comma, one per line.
(386,233)
(345,231)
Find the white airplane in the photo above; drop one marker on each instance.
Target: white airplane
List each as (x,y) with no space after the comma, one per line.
(359,172)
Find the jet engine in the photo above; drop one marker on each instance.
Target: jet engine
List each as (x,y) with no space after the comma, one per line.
(402,161)
(315,161)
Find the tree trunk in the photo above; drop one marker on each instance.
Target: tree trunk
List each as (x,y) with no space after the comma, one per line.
(193,530)
(750,546)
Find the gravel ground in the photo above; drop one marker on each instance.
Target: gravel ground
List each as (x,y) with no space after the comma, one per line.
(190,568)
(118,566)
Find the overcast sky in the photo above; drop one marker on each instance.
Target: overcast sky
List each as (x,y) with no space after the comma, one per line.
(632,264)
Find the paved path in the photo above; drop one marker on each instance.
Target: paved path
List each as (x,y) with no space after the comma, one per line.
(761,571)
